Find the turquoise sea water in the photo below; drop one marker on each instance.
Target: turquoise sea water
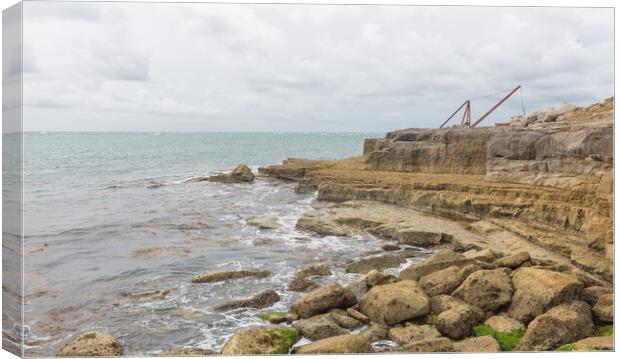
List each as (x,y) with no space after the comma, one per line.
(111,214)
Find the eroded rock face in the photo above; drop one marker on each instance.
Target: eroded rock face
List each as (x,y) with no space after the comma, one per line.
(319,327)
(487,289)
(262,340)
(560,325)
(604,308)
(393,303)
(92,344)
(211,277)
(536,290)
(348,343)
(261,300)
(331,296)
(455,318)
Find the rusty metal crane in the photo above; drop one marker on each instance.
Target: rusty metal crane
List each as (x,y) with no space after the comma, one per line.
(466,120)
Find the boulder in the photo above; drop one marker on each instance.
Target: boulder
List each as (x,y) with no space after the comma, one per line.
(593,343)
(393,303)
(435,345)
(91,344)
(210,277)
(412,333)
(455,318)
(261,340)
(604,308)
(445,281)
(504,324)
(331,296)
(182,352)
(591,294)
(375,332)
(537,290)
(486,289)
(370,280)
(443,258)
(321,270)
(513,260)
(261,300)
(477,345)
(348,343)
(301,285)
(342,318)
(560,325)
(319,327)
(375,263)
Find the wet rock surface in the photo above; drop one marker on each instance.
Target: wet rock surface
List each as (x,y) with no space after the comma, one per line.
(262,300)
(211,277)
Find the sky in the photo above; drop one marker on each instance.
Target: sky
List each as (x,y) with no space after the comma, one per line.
(228,67)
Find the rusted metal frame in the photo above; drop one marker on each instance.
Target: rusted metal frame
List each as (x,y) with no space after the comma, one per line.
(455,112)
(496,106)
(466,120)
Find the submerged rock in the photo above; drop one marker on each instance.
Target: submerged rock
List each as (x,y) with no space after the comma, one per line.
(377,263)
(262,222)
(261,300)
(393,303)
(301,285)
(316,270)
(150,295)
(331,296)
(560,325)
(348,343)
(262,340)
(210,277)
(92,344)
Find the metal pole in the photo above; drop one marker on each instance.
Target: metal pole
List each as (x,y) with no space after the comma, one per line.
(495,107)
(455,112)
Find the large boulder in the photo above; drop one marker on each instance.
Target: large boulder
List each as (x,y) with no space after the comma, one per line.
(261,300)
(593,343)
(261,340)
(348,343)
(486,289)
(481,344)
(393,303)
(322,300)
(92,344)
(455,318)
(319,327)
(537,290)
(591,294)
(604,308)
(442,259)
(412,333)
(434,345)
(445,281)
(211,277)
(560,325)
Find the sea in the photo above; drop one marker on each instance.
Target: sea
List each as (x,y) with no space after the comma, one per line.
(109,216)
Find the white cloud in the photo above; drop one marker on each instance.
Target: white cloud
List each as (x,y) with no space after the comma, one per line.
(209,67)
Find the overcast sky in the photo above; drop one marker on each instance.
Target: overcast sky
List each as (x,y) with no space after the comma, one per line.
(218,67)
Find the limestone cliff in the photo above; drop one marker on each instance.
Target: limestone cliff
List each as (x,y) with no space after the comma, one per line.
(546,176)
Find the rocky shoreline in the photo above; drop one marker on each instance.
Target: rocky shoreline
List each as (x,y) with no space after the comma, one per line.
(519,216)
